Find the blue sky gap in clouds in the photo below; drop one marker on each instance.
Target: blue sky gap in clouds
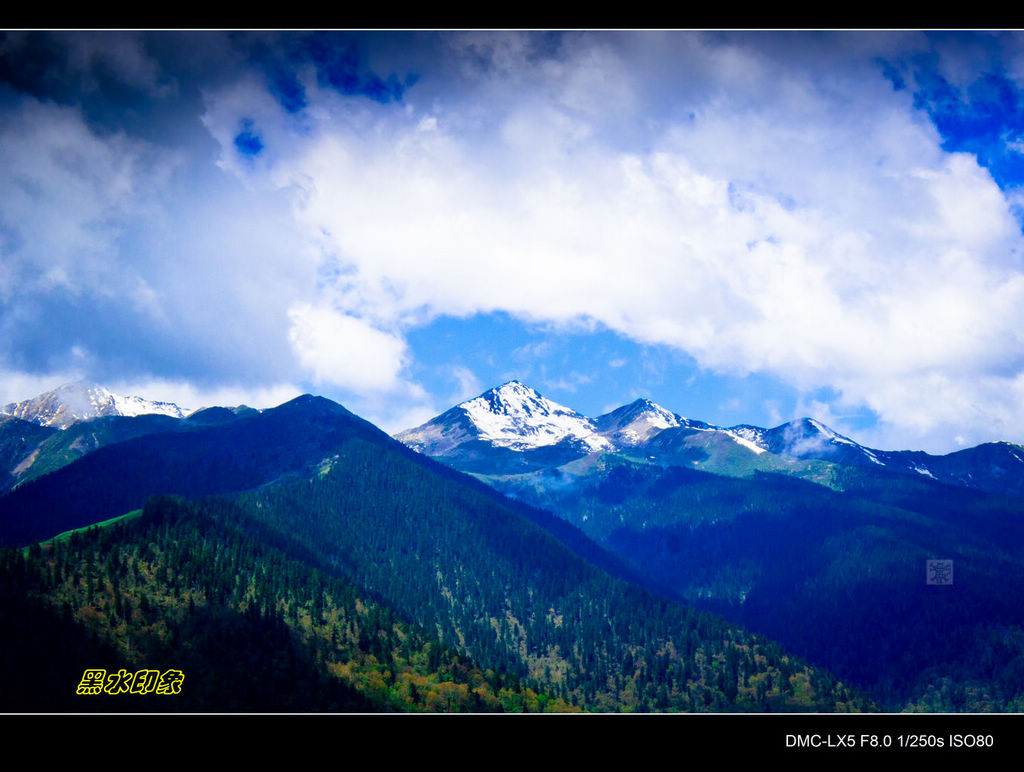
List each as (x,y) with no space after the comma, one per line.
(248,142)
(745,227)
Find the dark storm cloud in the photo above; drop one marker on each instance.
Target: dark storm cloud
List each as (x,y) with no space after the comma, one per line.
(115,76)
(111,75)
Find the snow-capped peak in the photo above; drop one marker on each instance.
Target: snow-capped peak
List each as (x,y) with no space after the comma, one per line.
(636,422)
(517,417)
(82,401)
(653,413)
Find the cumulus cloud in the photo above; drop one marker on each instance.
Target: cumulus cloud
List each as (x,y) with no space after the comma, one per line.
(138,258)
(767,204)
(779,216)
(67,196)
(346,351)
(16,386)
(189,396)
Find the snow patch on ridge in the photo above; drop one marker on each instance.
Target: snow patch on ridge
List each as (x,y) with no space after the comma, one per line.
(744,441)
(832,435)
(134,406)
(869,454)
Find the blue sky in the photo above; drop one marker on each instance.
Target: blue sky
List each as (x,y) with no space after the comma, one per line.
(744,227)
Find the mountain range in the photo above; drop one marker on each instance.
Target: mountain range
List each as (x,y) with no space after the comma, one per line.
(301,549)
(517,418)
(796,532)
(475,436)
(639,560)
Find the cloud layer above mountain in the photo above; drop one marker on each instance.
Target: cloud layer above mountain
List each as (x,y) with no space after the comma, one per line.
(281,211)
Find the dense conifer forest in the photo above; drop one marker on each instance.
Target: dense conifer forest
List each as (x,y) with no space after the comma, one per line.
(836,574)
(184,586)
(512,606)
(266,611)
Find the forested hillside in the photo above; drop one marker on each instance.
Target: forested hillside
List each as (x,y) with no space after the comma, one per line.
(836,574)
(185,586)
(381,579)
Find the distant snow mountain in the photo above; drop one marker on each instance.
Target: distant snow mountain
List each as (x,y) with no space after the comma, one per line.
(512,416)
(997,467)
(513,429)
(635,423)
(515,417)
(83,401)
(807,438)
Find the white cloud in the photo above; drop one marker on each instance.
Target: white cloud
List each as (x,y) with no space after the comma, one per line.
(189,396)
(68,193)
(346,351)
(771,408)
(17,386)
(926,411)
(1015,145)
(398,416)
(469,385)
(139,255)
(762,213)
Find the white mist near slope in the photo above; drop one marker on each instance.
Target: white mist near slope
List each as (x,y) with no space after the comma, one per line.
(83,401)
